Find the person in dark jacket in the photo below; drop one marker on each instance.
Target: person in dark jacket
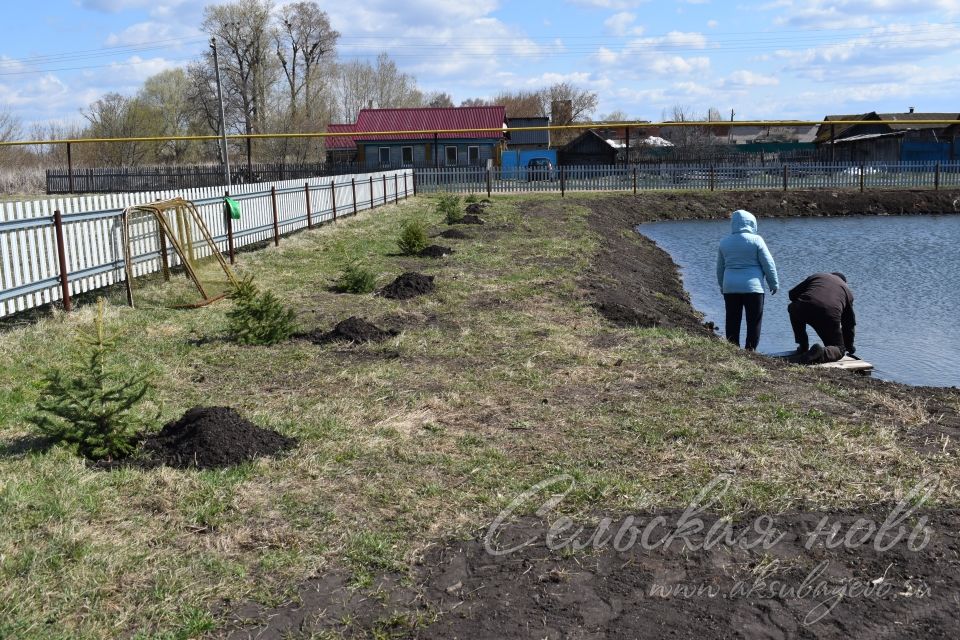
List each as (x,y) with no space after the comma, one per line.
(743,263)
(825,302)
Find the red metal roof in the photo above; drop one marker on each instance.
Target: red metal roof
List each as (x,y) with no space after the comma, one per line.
(431,119)
(340,142)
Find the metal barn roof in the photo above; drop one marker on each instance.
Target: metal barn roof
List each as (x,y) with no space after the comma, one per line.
(431,119)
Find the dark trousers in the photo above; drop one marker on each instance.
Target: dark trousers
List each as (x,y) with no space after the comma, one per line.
(736,304)
(827,328)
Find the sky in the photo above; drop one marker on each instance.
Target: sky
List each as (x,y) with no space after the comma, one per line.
(764,59)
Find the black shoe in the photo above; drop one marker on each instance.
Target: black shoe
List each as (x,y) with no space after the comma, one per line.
(815,355)
(801,349)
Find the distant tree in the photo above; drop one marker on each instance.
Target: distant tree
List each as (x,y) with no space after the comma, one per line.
(474,102)
(689,137)
(117,116)
(582,102)
(521,104)
(359,85)
(438,99)
(166,98)
(303,38)
(242,30)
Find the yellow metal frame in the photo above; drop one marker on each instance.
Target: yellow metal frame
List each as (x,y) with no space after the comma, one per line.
(180,237)
(381,134)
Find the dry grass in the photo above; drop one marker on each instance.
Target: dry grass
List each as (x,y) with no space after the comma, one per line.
(497,381)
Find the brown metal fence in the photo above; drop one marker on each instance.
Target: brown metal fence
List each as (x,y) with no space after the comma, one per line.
(901,175)
(55,248)
(132,179)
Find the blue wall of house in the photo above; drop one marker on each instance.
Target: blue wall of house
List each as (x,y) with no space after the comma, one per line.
(511,159)
(927,151)
(371,157)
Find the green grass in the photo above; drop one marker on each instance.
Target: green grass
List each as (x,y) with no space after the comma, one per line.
(494,383)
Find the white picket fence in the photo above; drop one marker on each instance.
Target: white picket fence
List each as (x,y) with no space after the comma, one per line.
(29,265)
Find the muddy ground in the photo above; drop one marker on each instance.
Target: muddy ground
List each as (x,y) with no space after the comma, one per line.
(796,587)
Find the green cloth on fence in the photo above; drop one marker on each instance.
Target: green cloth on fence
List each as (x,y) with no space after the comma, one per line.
(232,208)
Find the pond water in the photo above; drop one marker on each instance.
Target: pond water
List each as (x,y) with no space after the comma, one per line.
(904,273)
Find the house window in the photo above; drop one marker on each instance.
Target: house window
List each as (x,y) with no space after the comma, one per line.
(451,156)
(473,156)
(407,155)
(384,156)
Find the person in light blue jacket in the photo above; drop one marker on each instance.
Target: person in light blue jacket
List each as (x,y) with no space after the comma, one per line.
(743,263)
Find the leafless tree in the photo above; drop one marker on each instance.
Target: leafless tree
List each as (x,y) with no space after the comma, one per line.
(242,31)
(303,39)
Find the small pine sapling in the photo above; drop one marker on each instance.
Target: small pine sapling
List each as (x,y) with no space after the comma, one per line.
(356,279)
(258,317)
(413,238)
(90,406)
(449,207)
(471,198)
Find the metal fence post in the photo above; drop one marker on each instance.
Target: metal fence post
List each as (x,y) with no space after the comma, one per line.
(276,222)
(562,185)
(713,177)
(784,177)
(861,178)
(406,191)
(69,168)
(396,189)
(489,181)
(353,190)
(384,176)
(306,190)
(634,181)
(333,198)
(371,192)
(413,178)
(936,178)
(62,261)
(233,260)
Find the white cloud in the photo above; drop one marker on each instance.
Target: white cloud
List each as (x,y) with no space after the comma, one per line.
(622,24)
(609,4)
(900,42)
(151,31)
(745,78)
(852,14)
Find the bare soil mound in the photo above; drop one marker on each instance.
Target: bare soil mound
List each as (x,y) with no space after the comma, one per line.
(408,285)
(212,438)
(435,251)
(474,208)
(454,234)
(470,219)
(353,329)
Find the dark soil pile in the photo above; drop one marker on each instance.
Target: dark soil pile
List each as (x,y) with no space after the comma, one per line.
(623,315)
(409,285)
(454,234)
(435,251)
(353,329)
(212,438)
(474,208)
(470,219)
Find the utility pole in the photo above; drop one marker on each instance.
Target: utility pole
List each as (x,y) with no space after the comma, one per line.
(223,118)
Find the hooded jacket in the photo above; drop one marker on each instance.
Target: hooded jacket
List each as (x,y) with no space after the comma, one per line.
(744,261)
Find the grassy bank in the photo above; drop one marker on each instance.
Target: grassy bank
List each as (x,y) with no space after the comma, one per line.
(503,377)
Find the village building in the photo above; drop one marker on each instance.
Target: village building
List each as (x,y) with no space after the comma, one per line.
(438,137)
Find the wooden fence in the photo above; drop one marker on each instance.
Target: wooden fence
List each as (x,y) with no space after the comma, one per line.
(53,249)
(901,175)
